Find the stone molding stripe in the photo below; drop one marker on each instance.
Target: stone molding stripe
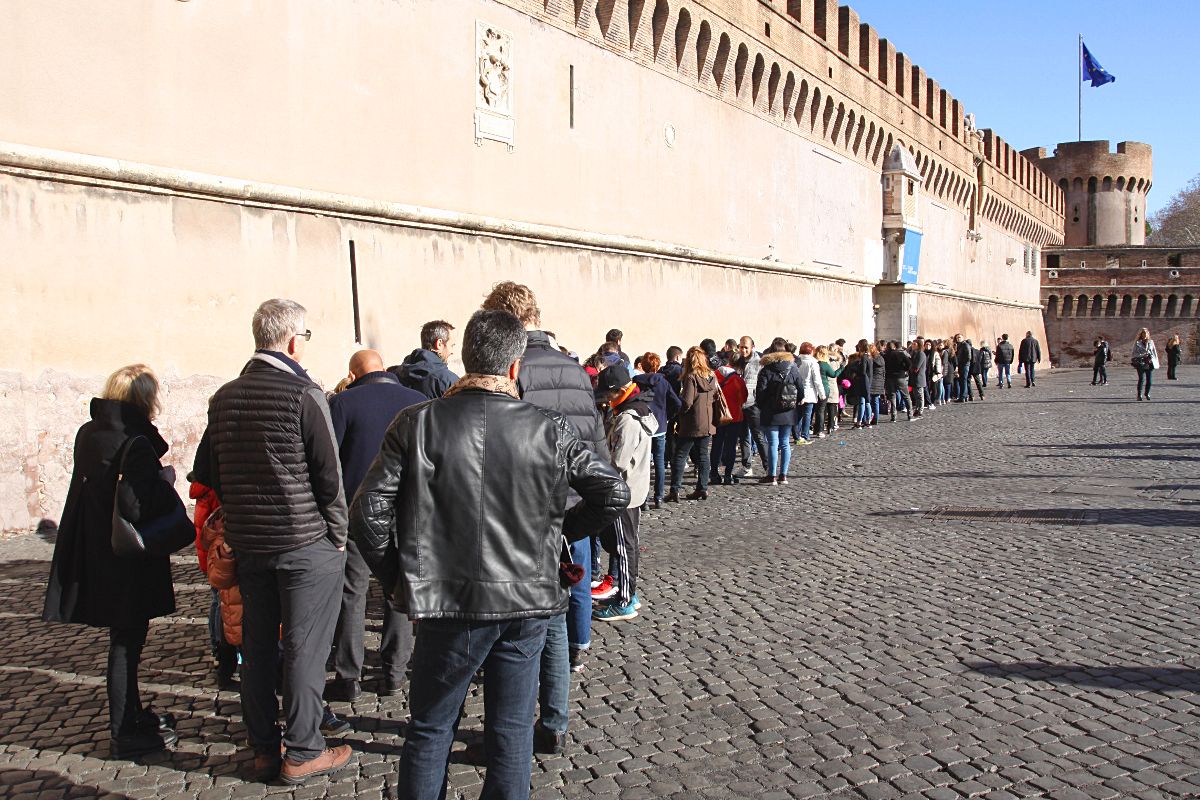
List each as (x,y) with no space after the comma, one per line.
(41,163)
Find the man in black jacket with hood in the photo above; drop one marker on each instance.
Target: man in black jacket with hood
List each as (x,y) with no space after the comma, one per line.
(425,369)
(553,380)
(461,517)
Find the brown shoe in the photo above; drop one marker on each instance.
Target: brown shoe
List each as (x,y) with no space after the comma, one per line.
(266,767)
(330,762)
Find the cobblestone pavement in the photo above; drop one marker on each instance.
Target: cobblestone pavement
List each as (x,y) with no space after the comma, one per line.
(823,639)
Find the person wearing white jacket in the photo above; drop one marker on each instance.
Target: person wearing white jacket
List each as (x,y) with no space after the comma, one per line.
(812,386)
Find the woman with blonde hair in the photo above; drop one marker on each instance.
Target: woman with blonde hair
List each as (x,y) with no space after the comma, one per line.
(89,584)
(1174,353)
(1145,361)
(695,427)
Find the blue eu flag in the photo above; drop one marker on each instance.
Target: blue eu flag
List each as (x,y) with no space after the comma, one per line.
(1092,71)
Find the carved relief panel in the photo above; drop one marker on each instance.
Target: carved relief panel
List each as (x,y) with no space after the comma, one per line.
(494,85)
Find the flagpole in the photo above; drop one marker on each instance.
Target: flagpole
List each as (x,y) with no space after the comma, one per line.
(1079,85)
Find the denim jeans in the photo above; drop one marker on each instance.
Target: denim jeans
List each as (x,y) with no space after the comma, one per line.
(1004,374)
(805,427)
(683,447)
(724,448)
(446,657)
(901,401)
(554,687)
(579,612)
(779,449)
(983,376)
(658,452)
(964,385)
(1144,376)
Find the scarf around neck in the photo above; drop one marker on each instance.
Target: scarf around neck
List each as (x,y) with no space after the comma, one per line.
(487,383)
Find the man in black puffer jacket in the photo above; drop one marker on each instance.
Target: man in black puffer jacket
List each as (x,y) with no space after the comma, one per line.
(270,455)
(461,517)
(553,380)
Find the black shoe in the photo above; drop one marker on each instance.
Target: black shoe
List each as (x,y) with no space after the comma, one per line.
(390,687)
(342,691)
(548,742)
(672,497)
(893,417)
(142,744)
(150,721)
(657,504)
(697,495)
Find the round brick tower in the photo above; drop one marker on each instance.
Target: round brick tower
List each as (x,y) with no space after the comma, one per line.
(1105,191)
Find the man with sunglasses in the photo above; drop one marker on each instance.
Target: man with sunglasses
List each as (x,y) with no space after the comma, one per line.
(270,454)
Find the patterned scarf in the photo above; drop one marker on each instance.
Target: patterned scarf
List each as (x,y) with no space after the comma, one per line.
(487,383)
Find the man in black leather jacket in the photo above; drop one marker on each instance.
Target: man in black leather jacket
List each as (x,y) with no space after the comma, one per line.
(462,518)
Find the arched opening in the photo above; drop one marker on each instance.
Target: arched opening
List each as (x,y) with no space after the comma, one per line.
(1097,305)
(1110,308)
(789,93)
(1106,186)
(814,109)
(683,27)
(1052,305)
(1126,306)
(658,24)
(703,42)
(1081,305)
(1172,307)
(604,14)
(721,60)
(838,119)
(1156,306)
(1068,306)
(1187,309)
(827,117)
(635,8)
(859,134)
(760,66)
(1139,309)
(773,87)
(739,69)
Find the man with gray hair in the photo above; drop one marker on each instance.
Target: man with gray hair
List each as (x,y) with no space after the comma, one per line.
(270,455)
(462,517)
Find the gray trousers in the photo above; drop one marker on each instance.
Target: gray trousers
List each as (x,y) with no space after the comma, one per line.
(397,644)
(297,590)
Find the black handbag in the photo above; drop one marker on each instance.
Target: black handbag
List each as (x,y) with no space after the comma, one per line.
(161,536)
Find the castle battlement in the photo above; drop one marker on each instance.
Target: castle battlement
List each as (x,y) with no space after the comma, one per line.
(814,67)
(1105,191)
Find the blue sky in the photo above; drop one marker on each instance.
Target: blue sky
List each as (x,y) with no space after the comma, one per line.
(1014,64)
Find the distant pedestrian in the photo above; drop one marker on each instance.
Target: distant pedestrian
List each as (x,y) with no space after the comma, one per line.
(779,394)
(1004,360)
(695,426)
(1173,356)
(1030,355)
(1101,354)
(1145,361)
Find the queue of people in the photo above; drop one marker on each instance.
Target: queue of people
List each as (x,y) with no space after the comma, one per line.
(481,504)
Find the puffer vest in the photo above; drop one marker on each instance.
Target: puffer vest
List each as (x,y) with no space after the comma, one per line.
(258,455)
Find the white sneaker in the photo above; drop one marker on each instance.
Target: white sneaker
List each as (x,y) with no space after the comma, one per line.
(820,435)
(749,473)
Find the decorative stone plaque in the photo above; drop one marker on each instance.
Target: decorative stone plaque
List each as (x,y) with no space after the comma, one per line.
(493,85)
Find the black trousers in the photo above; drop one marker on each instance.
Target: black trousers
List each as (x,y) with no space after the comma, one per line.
(620,541)
(397,644)
(300,591)
(124,655)
(683,447)
(753,432)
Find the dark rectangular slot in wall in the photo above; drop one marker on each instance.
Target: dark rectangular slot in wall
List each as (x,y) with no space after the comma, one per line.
(354,293)
(572,90)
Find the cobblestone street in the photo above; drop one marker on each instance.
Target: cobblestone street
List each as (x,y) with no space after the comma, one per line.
(878,628)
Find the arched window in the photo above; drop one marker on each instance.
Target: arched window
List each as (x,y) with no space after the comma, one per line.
(683,26)
(1052,305)
(1097,305)
(1126,306)
(1156,306)
(1110,309)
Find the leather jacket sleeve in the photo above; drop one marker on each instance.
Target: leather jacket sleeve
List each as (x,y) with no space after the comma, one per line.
(603,494)
(373,511)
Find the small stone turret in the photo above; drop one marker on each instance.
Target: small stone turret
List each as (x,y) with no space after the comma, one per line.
(1105,191)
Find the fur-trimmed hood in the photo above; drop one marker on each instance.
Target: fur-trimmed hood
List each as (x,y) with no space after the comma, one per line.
(773,358)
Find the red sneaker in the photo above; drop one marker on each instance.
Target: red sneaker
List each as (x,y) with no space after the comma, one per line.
(606,589)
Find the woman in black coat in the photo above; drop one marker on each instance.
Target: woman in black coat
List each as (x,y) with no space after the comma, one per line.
(89,584)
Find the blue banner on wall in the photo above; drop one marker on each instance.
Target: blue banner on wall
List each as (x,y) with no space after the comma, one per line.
(912,256)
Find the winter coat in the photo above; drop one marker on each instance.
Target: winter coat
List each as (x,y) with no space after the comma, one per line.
(664,401)
(829,376)
(89,584)
(878,374)
(812,383)
(734,388)
(1142,349)
(699,406)
(361,415)
(1004,353)
(897,366)
(425,371)
(1102,355)
(917,378)
(221,570)
(750,370)
(673,372)
(947,356)
(463,513)
(777,368)
(934,370)
(270,454)
(858,372)
(629,431)
(1031,351)
(985,358)
(964,354)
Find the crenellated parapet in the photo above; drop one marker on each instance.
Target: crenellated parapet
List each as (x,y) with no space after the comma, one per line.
(1105,192)
(814,67)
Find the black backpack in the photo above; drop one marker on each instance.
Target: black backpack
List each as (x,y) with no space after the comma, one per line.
(784,395)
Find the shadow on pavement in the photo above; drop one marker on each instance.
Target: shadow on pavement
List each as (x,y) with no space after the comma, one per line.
(44,783)
(1146,517)
(1129,678)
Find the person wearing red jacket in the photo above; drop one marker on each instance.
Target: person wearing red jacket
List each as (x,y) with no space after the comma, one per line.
(224,650)
(724,447)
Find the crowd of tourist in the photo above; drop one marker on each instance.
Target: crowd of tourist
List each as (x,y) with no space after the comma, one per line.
(482,504)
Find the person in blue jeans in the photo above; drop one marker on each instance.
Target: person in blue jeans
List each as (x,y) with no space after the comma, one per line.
(778,395)
(477,565)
